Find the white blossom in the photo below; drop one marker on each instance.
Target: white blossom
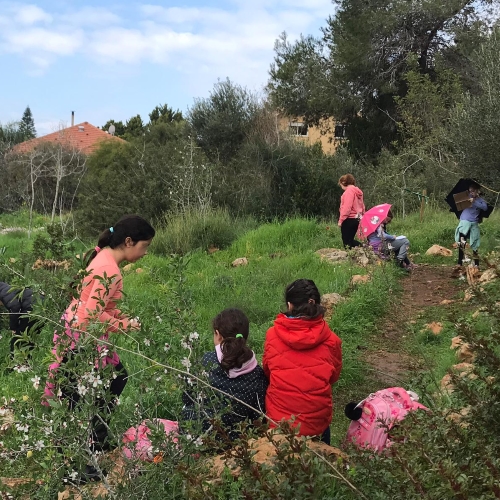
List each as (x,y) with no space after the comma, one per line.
(185,362)
(39,445)
(166,348)
(159,319)
(198,442)
(36,381)
(194,336)
(147,342)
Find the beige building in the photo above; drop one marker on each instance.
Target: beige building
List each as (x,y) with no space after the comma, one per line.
(329,133)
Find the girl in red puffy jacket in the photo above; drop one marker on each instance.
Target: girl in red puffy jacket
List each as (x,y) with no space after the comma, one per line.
(302,359)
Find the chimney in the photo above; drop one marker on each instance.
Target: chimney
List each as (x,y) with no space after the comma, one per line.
(72,118)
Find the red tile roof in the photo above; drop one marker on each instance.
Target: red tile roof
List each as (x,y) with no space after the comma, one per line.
(83,137)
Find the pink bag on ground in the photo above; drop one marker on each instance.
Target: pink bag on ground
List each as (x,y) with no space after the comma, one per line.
(137,444)
(387,406)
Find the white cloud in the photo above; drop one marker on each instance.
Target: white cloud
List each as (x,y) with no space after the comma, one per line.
(31,14)
(234,40)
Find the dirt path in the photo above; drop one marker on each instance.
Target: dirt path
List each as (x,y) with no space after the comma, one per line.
(426,286)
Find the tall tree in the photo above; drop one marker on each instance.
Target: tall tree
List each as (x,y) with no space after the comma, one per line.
(357,69)
(164,114)
(27,125)
(119,127)
(134,127)
(221,122)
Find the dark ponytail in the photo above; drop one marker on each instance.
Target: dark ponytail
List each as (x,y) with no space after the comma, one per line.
(231,323)
(133,226)
(304,296)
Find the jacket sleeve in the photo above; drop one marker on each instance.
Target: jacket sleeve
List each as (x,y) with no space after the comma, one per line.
(480,203)
(336,357)
(99,298)
(346,202)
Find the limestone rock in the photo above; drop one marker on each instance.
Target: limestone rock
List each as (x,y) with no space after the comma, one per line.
(488,276)
(466,354)
(456,342)
(332,255)
(127,268)
(331,299)
(241,261)
(360,278)
(438,250)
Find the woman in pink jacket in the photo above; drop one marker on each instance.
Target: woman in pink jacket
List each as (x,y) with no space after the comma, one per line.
(352,208)
(101,289)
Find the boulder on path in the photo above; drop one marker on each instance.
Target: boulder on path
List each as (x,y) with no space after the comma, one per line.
(488,276)
(332,255)
(438,250)
(241,261)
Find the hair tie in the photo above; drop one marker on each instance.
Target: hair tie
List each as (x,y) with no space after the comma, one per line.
(239,336)
(111,230)
(311,301)
(97,249)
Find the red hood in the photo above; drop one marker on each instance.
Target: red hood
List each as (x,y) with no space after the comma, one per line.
(301,334)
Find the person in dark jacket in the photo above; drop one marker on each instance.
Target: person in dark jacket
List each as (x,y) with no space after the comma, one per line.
(233,369)
(302,358)
(19,303)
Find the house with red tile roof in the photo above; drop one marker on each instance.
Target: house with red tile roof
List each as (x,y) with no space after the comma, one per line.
(83,138)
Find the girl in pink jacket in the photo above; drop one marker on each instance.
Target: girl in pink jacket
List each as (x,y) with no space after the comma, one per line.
(352,208)
(100,291)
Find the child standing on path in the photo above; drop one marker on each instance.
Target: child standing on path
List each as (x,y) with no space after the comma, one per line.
(302,358)
(127,240)
(352,207)
(468,227)
(233,369)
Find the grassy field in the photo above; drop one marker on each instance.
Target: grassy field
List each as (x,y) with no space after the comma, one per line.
(175,296)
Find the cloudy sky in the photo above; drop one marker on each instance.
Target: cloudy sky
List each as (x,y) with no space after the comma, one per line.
(116,59)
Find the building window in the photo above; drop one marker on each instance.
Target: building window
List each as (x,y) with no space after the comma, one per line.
(340,131)
(298,128)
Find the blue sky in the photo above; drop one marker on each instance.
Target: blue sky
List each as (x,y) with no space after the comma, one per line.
(114,59)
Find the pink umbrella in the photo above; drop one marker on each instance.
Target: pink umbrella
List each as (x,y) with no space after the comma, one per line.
(372,219)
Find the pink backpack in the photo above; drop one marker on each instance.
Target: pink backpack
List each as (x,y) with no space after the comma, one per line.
(137,444)
(388,406)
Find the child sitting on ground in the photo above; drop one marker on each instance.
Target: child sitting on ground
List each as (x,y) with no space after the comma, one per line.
(380,240)
(302,358)
(233,369)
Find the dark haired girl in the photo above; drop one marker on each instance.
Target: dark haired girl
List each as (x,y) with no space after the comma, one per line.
(302,359)
(233,369)
(101,289)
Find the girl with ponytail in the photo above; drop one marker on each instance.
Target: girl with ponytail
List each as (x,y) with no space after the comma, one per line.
(234,370)
(96,301)
(302,359)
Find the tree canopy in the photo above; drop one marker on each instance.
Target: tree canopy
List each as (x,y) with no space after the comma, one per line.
(27,125)
(357,69)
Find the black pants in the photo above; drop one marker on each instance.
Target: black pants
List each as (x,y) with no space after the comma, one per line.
(348,230)
(326,436)
(461,253)
(100,441)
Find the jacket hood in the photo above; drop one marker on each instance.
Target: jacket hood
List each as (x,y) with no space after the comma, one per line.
(299,333)
(355,190)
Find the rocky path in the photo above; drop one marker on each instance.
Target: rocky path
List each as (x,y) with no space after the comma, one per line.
(425,287)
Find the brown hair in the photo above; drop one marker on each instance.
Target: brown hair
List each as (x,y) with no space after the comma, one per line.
(304,296)
(235,351)
(347,180)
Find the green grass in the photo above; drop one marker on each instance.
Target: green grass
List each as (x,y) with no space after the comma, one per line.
(277,254)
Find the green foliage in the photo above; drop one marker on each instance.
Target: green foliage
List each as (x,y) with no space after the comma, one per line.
(356,70)
(196,229)
(27,125)
(164,114)
(473,126)
(120,128)
(221,122)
